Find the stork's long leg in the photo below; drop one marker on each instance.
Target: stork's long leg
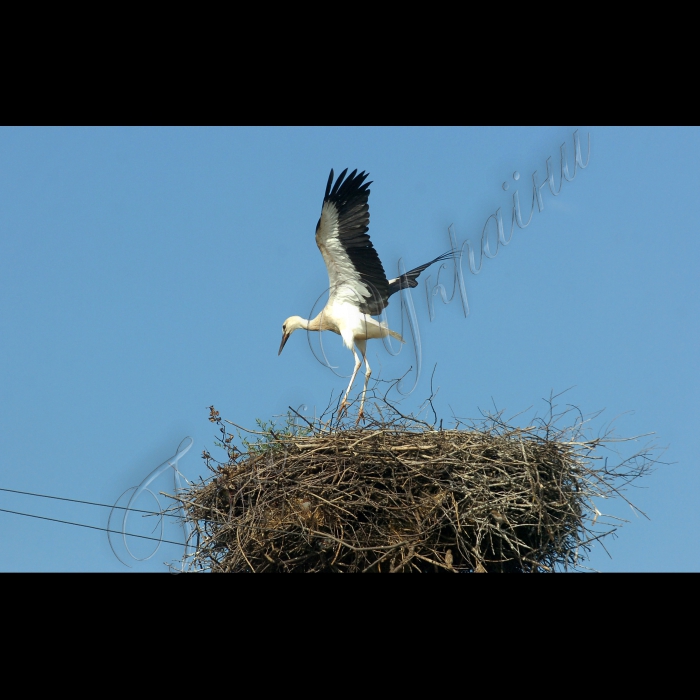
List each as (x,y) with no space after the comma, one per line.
(362,344)
(344,403)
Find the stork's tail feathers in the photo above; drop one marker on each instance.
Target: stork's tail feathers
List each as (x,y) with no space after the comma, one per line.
(385,330)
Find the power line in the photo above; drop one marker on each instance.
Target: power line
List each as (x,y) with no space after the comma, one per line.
(89,503)
(92,527)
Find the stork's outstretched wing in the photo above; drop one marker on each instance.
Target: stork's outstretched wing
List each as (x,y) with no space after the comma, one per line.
(408,279)
(355,272)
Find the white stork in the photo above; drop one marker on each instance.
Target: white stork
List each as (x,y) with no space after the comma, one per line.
(358,285)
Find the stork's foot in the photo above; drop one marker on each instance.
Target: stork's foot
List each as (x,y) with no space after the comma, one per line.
(343,408)
(360,415)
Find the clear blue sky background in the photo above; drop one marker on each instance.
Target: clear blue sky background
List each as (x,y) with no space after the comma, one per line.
(145,275)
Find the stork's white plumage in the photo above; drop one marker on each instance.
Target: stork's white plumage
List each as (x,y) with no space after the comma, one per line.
(358,285)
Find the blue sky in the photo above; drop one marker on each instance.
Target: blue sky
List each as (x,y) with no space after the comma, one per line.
(145,275)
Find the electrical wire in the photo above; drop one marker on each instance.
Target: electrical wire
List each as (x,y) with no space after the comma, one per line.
(91,527)
(89,503)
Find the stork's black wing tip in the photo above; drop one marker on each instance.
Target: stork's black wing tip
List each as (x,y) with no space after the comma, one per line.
(344,187)
(329,183)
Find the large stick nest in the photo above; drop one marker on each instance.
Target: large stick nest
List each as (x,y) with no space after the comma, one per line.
(402,496)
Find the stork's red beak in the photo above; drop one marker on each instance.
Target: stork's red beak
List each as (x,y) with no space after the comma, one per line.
(285,338)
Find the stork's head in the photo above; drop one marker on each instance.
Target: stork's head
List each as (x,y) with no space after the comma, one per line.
(292,324)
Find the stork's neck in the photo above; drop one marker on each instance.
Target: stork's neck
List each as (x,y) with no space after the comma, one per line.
(322,322)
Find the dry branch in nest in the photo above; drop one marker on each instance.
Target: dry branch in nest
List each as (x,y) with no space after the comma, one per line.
(402,496)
